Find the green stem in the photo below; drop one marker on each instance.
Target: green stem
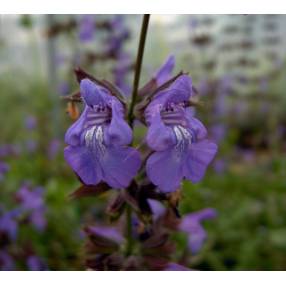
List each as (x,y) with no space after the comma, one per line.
(140,53)
(138,66)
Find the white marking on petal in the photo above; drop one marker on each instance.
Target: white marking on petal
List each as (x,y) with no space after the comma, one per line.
(94,138)
(184,139)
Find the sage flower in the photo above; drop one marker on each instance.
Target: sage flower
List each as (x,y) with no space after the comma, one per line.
(97,141)
(179,140)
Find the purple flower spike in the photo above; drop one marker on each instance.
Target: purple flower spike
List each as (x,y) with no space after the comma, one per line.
(9,224)
(30,122)
(86,28)
(165,71)
(97,140)
(178,139)
(191,224)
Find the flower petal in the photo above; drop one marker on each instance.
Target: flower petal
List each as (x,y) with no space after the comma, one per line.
(84,163)
(118,132)
(197,127)
(179,91)
(164,169)
(159,136)
(73,134)
(120,164)
(164,72)
(199,156)
(196,239)
(93,94)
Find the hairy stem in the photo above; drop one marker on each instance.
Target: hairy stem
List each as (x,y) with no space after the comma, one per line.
(138,66)
(143,34)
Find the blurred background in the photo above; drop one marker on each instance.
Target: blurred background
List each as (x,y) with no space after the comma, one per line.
(237,63)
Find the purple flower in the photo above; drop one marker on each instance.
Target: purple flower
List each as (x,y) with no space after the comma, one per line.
(204,87)
(7,150)
(32,201)
(54,147)
(97,140)
(6,261)
(116,40)
(64,88)
(176,267)
(30,122)
(178,139)
(35,263)
(120,71)
(223,89)
(191,224)
(4,168)
(218,132)
(9,224)
(37,218)
(86,28)
(164,73)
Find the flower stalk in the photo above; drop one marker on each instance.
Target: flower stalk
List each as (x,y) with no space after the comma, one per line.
(138,66)
(140,53)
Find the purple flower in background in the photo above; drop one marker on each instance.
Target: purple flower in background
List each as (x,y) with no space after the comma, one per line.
(117,23)
(164,73)
(120,33)
(223,89)
(9,224)
(64,88)
(30,122)
(38,219)
(191,224)
(6,261)
(203,87)
(218,132)
(122,67)
(86,28)
(176,267)
(97,140)
(35,263)
(4,168)
(178,139)
(7,150)
(32,201)
(54,147)
(4,151)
